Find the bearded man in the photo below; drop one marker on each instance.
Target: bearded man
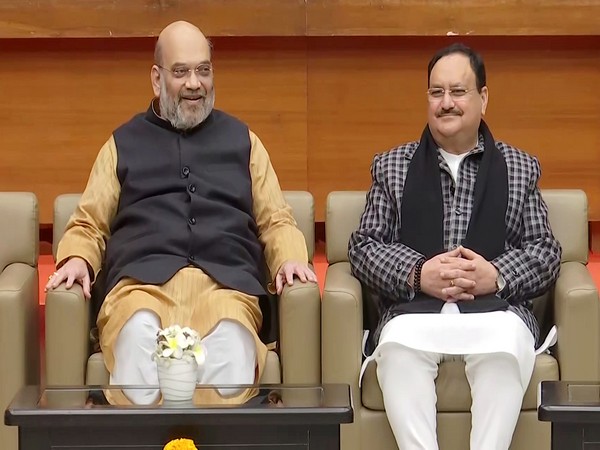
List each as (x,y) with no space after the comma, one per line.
(181,211)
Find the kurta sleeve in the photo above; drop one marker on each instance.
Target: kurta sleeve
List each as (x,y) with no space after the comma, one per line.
(277,230)
(89,226)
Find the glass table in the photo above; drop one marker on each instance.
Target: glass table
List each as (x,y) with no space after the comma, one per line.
(264,417)
(574,410)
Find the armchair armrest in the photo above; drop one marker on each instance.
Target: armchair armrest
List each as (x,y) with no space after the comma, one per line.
(577,318)
(341,339)
(19,329)
(342,316)
(300,333)
(67,336)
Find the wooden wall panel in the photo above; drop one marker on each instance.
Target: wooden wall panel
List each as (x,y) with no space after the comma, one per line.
(441,17)
(62,99)
(141,18)
(264,83)
(366,95)
(322,106)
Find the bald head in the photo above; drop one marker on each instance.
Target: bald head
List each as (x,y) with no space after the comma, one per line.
(178,40)
(182,75)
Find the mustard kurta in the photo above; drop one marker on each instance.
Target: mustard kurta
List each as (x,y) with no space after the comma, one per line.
(190,297)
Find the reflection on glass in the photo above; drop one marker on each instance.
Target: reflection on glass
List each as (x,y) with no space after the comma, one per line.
(64,398)
(251,396)
(302,398)
(209,396)
(584,393)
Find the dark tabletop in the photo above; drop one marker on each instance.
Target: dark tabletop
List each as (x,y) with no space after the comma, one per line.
(272,404)
(570,401)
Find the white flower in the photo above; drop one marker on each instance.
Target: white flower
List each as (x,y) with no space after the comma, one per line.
(199,353)
(175,342)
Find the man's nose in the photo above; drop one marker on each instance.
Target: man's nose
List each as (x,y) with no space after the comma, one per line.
(193,81)
(447,101)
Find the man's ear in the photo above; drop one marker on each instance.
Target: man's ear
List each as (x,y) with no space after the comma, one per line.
(155,80)
(484,99)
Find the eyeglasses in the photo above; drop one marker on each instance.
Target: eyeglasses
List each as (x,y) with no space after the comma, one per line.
(438,93)
(201,71)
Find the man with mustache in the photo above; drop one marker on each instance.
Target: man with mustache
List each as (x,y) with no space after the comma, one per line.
(453,244)
(182,209)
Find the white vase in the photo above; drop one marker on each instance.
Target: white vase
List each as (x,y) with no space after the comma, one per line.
(177,378)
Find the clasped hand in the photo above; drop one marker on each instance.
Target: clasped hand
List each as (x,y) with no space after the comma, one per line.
(460,274)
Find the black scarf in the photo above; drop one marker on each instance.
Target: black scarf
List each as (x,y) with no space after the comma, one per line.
(422,214)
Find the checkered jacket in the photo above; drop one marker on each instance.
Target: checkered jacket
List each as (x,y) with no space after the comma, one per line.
(531,259)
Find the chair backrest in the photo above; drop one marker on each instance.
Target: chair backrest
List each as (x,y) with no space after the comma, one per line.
(64,205)
(19,228)
(344,210)
(301,202)
(303,208)
(567,213)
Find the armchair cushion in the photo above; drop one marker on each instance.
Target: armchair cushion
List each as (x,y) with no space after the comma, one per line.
(452,388)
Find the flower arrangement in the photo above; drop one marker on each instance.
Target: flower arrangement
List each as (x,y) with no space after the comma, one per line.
(175,342)
(180,444)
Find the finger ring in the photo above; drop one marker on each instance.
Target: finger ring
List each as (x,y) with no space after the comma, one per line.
(452,283)
(53,275)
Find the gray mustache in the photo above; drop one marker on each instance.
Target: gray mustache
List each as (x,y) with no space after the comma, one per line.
(195,94)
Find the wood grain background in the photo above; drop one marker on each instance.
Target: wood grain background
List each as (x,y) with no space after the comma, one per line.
(325,85)
(139,18)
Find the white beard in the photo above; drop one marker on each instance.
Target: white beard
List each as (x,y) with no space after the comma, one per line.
(174,111)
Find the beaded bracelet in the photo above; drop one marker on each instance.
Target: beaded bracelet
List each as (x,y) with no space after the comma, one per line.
(417,278)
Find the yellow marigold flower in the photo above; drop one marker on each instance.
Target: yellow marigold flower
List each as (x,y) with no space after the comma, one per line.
(180,444)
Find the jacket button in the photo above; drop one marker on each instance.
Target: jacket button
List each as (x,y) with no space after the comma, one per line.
(192,221)
(192,257)
(185,171)
(192,188)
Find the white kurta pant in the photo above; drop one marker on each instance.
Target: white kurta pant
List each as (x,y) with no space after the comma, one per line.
(499,354)
(230,357)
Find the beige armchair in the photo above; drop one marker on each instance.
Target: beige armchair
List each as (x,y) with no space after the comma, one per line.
(69,319)
(572,306)
(19,323)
